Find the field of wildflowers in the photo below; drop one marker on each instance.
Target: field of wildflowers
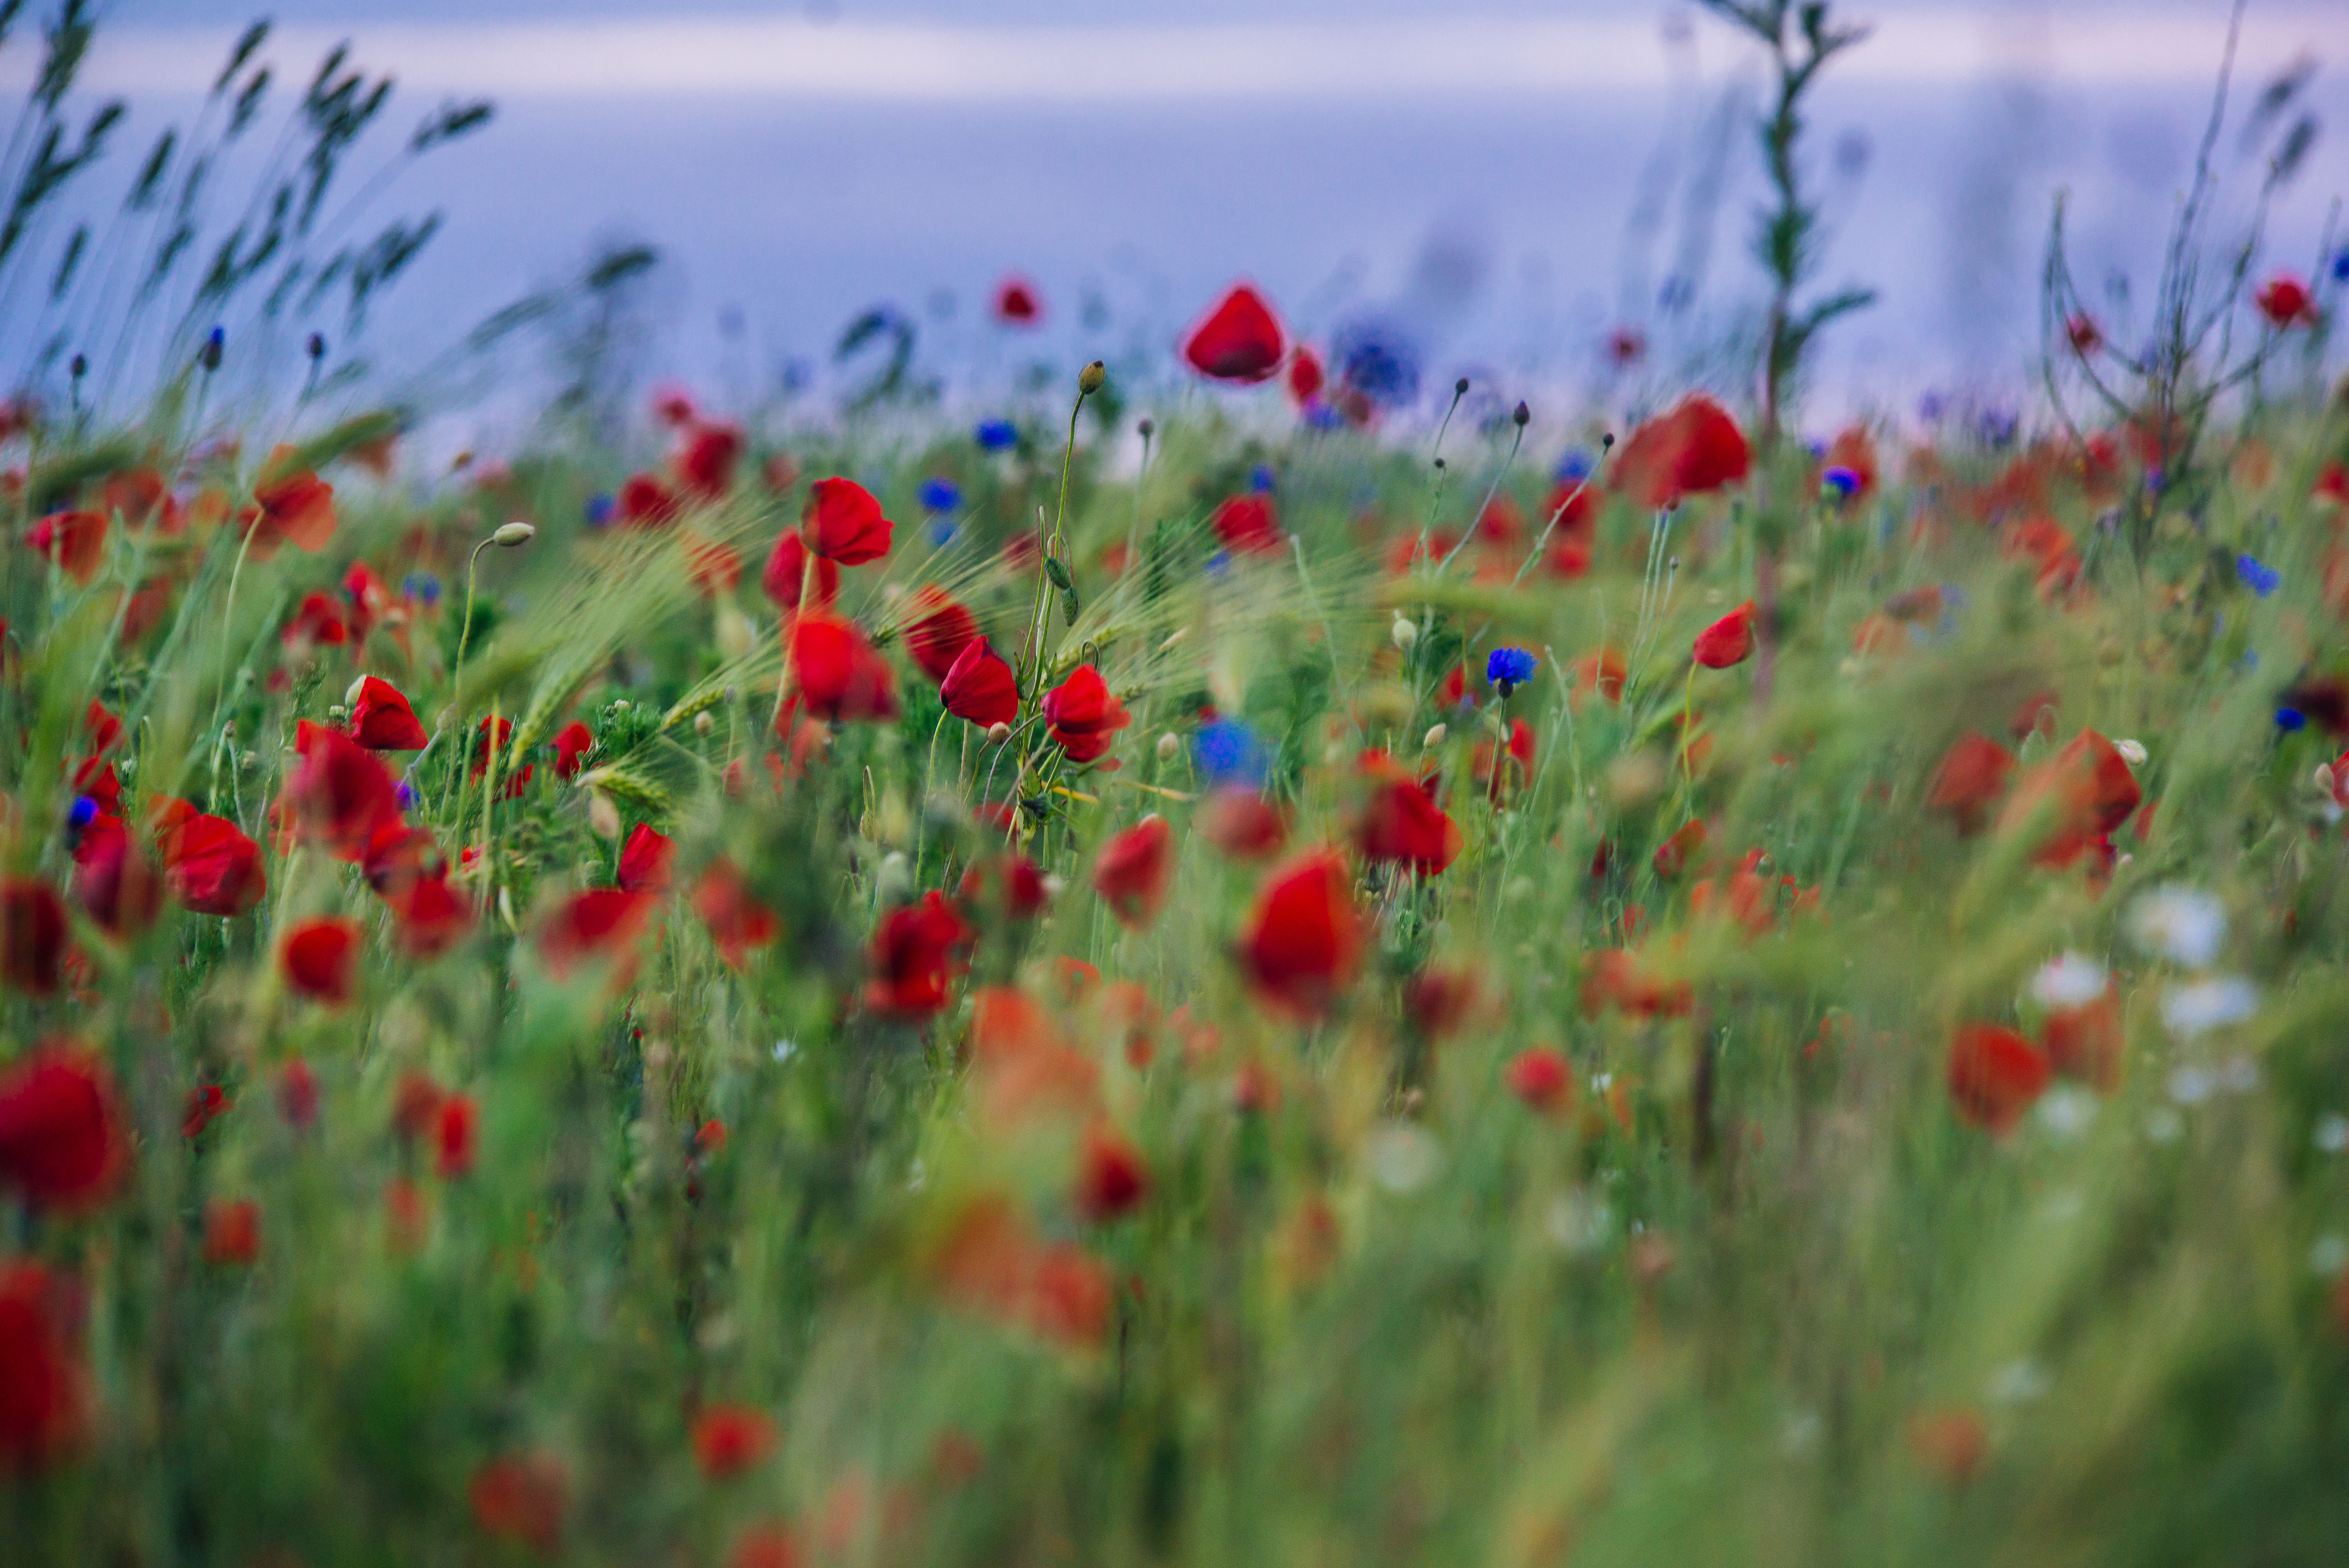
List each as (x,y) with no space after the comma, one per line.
(906,993)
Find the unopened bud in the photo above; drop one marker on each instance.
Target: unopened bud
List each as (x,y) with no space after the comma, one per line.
(896,878)
(2323,778)
(1405,632)
(514,535)
(1092,378)
(1522,417)
(1460,387)
(2132,752)
(703,724)
(1170,746)
(997,733)
(1435,737)
(351,692)
(603,816)
(1147,428)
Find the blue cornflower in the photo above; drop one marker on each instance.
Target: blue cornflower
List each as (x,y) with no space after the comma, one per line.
(1321,415)
(404,793)
(1229,753)
(1219,563)
(2260,580)
(996,435)
(1843,481)
(84,813)
(1999,427)
(1378,359)
(599,510)
(942,533)
(940,494)
(1930,407)
(1573,467)
(1260,479)
(1506,668)
(2289,719)
(2341,265)
(421,586)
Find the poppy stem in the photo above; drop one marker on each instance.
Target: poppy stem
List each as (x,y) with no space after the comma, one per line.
(1492,490)
(465,631)
(1039,619)
(1606,445)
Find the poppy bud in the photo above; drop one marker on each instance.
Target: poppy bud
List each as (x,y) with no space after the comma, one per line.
(2132,752)
(318,346)
(1434,738)
(209,357)
(1522,417)
(512,535)
(1404,634)
(997,733)
(1460,387)
(1058,572)
(702,723)
(1092,378)
(1069,606)
(1146,429)
(1170,746)
(80,366)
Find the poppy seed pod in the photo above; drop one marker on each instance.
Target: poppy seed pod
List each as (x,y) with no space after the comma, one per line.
(512,535)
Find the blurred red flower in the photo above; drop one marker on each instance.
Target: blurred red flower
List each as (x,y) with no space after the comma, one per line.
(1995,1075)
(75,541)
(1728,641)
(738,922)
(728,1439)
(645,502)
(62,1138)
(208,865)
(1694,449)
(44,1398)
(455,1125)
(113,880)
(706,460)
(601,923)
(521,1498)
(1303,938)
(1402,825)
(338,795)
(1016,302)
(842,522)
(914,957)
(1111,1176)
(33,930)
(938,630)
(231,1233)
(1238,340)
(2285,301)
(1082,715)
(572,743)
(1543,1078)
(839,674)
(382,720)
(429,917)
(786,574)
(295,506)
(2084,791)
(648,860)
(320,958)
(1970,779)
(1132,869)
(1241,823)
(980,686)
(1248,525)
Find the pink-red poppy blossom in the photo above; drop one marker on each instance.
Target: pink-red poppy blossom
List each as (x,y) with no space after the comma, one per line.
(1017,302)
(521,1498)
(1970,779)
(231,1233)
(295,507)
(456,1125)
(1305,377)
(1543,1078)
(1242,824)
(2086,790)
(317,623)
(602,923)
(320,959)
(429,916)
(2285,301)
(1134,870)
(1303,939)
(842,522)
(1082,715)
(1402,825)
(338,795)
(1112,1179)
(571,744)
(981,687)
(44,1394)
(113,880)
(1238,340)
(646,861)
(706,460)
(1728,641)
(1006,884)
(645,502)
(209,864)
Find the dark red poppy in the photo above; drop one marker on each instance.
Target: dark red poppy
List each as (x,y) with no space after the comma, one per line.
(338,796)
(1083,716)
(571,744)
(44,1396)
(981,687)
(706,460)
(914,957)
(1305,377)
(738,922)
(429,916)
(317,623)
(646,861)
(1970,779)
(208,865)
(73,541)
(645,502)
(1134,870)
(839,674)
(1728,641)
(1242,824)
(1112,1177)
(1008,883)
(844,524)
(382,720)
(1995,1075)
(231,1233)
(62,1140)
(32,929)
(602,923)
(728,1439)
(938,630)
(113,880)
(521,1498)
(320,959)
(2086,791)
(1303,939)
(1238,340)
(295,507)
(456,1123)
(786,574)
(1543,1078)
(1402,825)
(1017,302)
(2285,301)
(1694,449)
(1248,526)
(297,1094)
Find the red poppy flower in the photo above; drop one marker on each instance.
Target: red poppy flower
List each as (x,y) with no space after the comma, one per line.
(731,1439)
(1505,772)
(2285,301)
(1242,824)
(206,1103)
(1112,1177)
(100,728)
(1238,340)
(320,958)
(382,720)
(429,917)
(141,497)
(455,1124)
(980,686)
(297,1094)
(646,861)
(1574,505)
(1694,449)
(2085,1042)
(2086,789)
(1133,871)
(1543,1078)
(369,597)
(1854,450)
(1005,883)
(992,1262)
(600,923)
(1728,641)
(839,674)
(842,522)
(75,541)
(296,507)
(1970,779)
(912,957)
(62,1140)
(1083,717)
(113,880)
(521,1498)
(937,629)
(1673,853)
(210,866)
(738,922)
(317,623)
(1303,939)
(1248,526)
(645,502)
(44,1398)
(766,1546)
(1016,302)
(96,778)
(32,935)
(1995,1075)
(1305,377)
(338,795)
(706,460)
(571,744)
(231,1233)
(2048,545)
(1614,976)
(1402,825)
(786,573)
(717,568)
